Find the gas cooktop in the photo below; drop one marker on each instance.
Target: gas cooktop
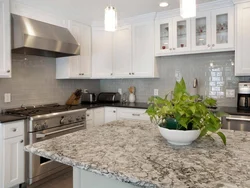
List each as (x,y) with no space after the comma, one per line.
(30,111)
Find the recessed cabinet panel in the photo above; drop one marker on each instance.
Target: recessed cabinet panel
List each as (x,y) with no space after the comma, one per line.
(143,50)
(5,49)
(122,52)
(102,53)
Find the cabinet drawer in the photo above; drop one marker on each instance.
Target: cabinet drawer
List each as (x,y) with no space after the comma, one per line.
(89,115)
(13,129)
(128,113)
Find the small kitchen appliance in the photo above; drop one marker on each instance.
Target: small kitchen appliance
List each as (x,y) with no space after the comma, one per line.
(88,98)
(244,96)
(109,97)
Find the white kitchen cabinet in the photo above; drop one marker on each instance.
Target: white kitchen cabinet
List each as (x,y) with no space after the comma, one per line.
(222,22)
(99,116)
(122,55)
(201,32)
(12,155)
(77,67)
(173,35)
(89,118)
(143,63)
(14,161)
(102,53)
(132,113)
(242,60)
(5,40)
(110,114)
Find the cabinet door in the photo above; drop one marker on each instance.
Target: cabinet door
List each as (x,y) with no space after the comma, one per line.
(122,52)
(102,52)
(98,116)
(201,31)
(181,35)
(5,49)
(242,61)
(143,50)
(110,114)
(223,28)
(163,37)
(13,161)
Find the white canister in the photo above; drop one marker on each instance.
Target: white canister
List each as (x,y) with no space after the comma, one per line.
(131,97)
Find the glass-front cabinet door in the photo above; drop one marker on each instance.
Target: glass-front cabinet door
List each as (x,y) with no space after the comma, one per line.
(223,28)
(201,32)
(163,40)
(181,35)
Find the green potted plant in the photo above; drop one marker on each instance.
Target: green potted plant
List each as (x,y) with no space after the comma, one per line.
(185,117)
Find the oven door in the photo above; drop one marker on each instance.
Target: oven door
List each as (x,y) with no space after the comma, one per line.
(235,122)
(40,167)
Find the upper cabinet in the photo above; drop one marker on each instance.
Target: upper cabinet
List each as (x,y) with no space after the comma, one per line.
(242,60)
(126,53)
(76,67)
(5,42)
(102,53)
(209,31)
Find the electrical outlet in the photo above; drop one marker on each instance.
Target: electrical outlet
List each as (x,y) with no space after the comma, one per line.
(7,97)
(156,92)
(230,93)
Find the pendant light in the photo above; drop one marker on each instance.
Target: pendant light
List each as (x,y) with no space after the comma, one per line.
(110,20)
(188,8)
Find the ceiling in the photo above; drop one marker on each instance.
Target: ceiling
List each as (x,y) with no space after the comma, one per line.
(88,11)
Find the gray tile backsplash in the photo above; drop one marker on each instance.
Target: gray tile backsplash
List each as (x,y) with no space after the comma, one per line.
(33,82)
(214,71)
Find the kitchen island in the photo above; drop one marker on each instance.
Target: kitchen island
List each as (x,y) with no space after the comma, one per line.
(128,154)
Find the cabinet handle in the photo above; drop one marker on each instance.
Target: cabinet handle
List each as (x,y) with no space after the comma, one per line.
(83,74)
(80,74)
(8,71)
(21,141)
(111,74)
(133,73)
(129,73)
(135,114)
(170,48)
(173,48)
(87,115)
(14,130)
(114,111)
(208,45)
(213,45)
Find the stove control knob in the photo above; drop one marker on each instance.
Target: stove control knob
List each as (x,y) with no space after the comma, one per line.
(37,127)
(62,120)
(83,118)
(78,119)
(44,125)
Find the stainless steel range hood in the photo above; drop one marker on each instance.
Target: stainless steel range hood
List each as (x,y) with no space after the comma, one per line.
(32,37)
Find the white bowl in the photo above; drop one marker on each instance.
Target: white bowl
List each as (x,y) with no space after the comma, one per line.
(179,137)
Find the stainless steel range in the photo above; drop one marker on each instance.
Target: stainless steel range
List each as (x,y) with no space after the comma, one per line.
(45,122)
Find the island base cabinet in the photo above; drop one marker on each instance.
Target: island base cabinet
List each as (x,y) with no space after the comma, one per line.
(13,161)
(84,179)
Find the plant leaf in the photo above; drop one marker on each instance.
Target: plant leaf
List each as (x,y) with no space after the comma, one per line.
(223,137)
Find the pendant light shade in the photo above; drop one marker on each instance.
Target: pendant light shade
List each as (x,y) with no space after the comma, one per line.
(110,21)
(188,8)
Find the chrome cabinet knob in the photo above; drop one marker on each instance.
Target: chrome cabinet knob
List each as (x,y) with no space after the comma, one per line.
(208,45)
(21,141)
(173,48)
(114,111)
(8,71)
(14,130)
(133,73)
(129,73)
(213,45)
(170,48)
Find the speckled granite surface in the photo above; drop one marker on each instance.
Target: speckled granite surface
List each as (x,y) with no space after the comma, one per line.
(134,152)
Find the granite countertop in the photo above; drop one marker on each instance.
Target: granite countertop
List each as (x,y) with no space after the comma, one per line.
(122,105)
(8,118)
(135,152)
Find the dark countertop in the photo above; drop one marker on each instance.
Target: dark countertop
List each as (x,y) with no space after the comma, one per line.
(121,105)
(8,118)
(234,111)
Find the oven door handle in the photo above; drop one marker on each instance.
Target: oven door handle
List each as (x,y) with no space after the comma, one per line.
(237,119)
(40,135)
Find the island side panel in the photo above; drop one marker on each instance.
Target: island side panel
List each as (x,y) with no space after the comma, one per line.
(85,179)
